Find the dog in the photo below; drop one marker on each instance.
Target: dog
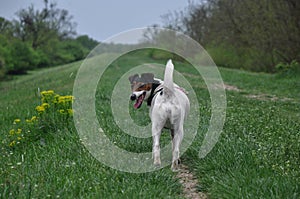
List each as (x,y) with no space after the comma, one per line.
(169,107)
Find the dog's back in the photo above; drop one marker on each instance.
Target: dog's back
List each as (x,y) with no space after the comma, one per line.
(172,104)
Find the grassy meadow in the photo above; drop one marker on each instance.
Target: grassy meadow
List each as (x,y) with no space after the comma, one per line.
(257,156)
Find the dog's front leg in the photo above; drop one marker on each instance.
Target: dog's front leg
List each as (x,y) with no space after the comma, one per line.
(156,132)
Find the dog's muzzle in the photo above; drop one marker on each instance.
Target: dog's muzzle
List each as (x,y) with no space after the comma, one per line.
(133,97)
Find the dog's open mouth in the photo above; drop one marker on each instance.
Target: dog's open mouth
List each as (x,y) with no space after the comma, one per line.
(139,101)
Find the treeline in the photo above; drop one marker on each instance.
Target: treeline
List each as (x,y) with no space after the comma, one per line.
(251,34)
(38,39)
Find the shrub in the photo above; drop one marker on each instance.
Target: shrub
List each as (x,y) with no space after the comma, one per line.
(23,58)
(250,59)
(288,69)
(2,68)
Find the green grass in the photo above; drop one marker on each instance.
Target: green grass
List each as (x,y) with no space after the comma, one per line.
(58,165)
(257,155)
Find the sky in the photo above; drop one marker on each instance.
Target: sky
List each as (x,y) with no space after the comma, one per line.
(102,19)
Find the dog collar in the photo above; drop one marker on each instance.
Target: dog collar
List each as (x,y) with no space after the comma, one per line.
(156,87)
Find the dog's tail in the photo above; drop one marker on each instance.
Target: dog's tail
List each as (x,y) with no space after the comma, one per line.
(168,79)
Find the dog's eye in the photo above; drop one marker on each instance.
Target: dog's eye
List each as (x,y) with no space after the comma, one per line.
(144,87)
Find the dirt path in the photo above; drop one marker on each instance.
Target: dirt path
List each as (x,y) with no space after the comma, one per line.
(189,183)
(259,96)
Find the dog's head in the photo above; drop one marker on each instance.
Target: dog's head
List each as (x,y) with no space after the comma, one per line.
(141,87)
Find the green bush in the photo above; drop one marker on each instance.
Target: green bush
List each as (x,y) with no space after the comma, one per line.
(288,69)
(23,58)
(225,56)
(240,58)
(2,68)
(87,43)
(74,49)
(4,55)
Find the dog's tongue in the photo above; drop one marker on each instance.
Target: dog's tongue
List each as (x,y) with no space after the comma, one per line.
(139,102)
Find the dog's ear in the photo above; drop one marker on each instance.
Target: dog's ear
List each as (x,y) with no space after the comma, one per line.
(133,78)
(147,77)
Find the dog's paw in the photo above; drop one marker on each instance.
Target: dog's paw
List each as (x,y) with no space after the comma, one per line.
(176,165)
(175,168)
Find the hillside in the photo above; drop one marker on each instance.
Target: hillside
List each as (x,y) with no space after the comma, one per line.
(257,155)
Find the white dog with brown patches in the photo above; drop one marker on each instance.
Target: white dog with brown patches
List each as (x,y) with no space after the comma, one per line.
(169,107)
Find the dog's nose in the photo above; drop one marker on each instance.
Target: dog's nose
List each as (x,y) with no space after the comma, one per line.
(133,97)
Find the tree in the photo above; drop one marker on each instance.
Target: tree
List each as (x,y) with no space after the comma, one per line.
(39,27)
(261,32)
(40,38)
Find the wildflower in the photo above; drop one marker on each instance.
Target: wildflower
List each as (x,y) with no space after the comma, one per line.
(45,105)
(19,131)
(49,92)
(64,99)
(19,138)
(34,118)
(13,143)
(56,99)
(17,121)
(40,109)
(69,98)
(47,96)
(43,93)
(61,99)
(62,111)
(12,132)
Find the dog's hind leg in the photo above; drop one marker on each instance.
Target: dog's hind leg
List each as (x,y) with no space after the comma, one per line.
(156,132)
(172,136)
(177,138)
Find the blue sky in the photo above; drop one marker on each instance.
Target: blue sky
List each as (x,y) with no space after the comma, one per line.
(102,19)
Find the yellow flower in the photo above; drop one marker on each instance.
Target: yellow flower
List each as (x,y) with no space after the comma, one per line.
(62,111)
(56,99)
(34,118)
(12,132)
(40,109)
(47,96)
(49,92)
(19,131)
(19,138)
(69,98)
(45,105)
(12,143)
(66,98)
(61,99)
(17,121)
